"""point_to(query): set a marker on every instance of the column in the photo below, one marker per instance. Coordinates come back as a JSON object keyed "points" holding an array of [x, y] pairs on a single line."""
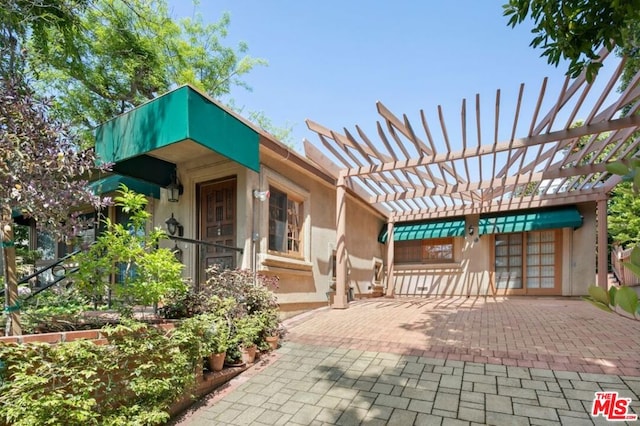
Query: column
{"points": [[603, 279], [391, 288], [340, 299]]}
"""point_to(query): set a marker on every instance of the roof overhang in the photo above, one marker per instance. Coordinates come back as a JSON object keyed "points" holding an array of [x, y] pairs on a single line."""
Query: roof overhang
{"points": [[146, 142]]}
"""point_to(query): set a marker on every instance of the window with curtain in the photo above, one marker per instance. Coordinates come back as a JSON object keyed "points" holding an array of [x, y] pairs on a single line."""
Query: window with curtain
{"points": [[433, 250], [285, 222]]}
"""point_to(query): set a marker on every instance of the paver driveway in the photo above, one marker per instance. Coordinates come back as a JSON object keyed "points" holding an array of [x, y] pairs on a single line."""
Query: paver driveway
{"points": [[529, 361]]}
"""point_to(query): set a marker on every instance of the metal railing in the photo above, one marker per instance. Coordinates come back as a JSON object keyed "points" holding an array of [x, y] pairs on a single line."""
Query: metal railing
{"points": [[58, 270]]}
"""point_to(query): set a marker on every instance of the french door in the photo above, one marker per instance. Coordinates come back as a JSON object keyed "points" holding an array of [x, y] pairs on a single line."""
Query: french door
{"points": [[528, 263]]}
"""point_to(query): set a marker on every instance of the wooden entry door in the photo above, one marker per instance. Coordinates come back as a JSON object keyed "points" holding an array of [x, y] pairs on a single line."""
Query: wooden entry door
{"points": [[218, 224]]}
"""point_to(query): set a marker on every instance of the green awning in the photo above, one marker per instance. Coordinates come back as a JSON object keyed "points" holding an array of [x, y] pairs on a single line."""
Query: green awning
{"points": [[530, 220], [112, 183], [129, 140], [424, 230]]}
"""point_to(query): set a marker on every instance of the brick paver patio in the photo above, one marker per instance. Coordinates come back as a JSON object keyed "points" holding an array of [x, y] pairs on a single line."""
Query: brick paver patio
{"points": [[437, 362]]}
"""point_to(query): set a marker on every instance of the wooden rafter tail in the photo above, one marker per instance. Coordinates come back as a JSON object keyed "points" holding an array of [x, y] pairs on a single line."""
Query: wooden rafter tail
{"points": [[386, 143], [398, 141], [335, 152], [611, 84], [427, 131], [451, 169], [395, 122], [366, 155], [479, 134], [384, 157], [495, 137], [532, 127], [321, 160], [556, 108], [420, 146], [463, 124]]}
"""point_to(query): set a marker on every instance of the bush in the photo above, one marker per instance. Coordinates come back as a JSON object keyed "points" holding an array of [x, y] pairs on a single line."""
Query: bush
{"points": [[133, 380]]}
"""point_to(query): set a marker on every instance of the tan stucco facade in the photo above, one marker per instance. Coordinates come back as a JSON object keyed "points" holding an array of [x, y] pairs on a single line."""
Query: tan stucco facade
{"points": [[471, 272]]}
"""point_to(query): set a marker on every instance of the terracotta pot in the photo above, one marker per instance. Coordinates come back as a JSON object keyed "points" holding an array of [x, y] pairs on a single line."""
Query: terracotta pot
{"points": [[272, 341], [249, 354], [216, 361]]}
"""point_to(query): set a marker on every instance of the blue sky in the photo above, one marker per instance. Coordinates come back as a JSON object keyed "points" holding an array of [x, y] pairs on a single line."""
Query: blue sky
{"points": [[330, 60]]}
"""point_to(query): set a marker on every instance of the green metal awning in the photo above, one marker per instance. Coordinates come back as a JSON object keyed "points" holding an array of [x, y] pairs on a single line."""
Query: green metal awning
{"points": [[112, 183], [409, 231], [129, 141], [530, 220]]}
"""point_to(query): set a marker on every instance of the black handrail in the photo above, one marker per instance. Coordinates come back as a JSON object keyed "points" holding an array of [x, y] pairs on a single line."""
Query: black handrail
{"points": [[53, 265], [52, 283], [206, 243]]}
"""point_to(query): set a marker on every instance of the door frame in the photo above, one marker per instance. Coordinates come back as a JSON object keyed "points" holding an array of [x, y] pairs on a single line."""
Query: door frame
{"points": [[198, 221]]}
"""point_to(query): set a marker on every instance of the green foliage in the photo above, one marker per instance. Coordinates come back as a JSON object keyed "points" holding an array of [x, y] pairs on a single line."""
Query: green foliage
{"points": [[576, 29], [623, 297], [130, 51], [147, 273], [55, 310], [133, 380]]}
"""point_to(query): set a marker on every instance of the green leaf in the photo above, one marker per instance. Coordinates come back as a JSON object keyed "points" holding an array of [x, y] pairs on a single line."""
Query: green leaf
{"points": [[627, 299], [598, 305], [599, 294], [632, 267], [617, 168], [635, 256], [612, 295]]}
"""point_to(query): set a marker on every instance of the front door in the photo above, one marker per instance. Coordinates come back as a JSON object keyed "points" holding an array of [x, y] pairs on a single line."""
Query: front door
{"points": [[217, 224]]}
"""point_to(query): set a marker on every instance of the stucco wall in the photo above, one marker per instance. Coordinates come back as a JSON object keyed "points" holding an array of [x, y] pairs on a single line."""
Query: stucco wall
{"points": [[583, 253], [308, 281], [471, 273]]}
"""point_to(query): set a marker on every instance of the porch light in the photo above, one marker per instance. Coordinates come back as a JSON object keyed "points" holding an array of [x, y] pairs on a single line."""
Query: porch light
{"points": [[174, 226], [471, 229], [175, 188], [260, 195]]}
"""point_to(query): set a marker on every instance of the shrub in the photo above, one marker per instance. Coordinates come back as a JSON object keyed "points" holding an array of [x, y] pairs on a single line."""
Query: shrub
{"points": [[133, 380]]}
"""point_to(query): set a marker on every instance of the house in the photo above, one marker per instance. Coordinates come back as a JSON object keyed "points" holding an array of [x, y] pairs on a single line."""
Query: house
{"points": [[417, 210], [238, 198]]}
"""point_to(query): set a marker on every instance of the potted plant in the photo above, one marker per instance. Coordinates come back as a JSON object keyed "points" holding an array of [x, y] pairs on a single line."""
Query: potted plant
{"points": [[248, 330], [271, 328], [217, 343]]}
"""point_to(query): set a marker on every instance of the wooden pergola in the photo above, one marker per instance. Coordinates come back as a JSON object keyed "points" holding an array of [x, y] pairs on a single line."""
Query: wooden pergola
{"points": [[418, 171]]}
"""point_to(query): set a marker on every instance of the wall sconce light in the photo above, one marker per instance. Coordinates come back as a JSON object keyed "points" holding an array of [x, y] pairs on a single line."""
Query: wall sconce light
{"points": [[174, 226], [471, 229], [175, 188], [260, 195]]}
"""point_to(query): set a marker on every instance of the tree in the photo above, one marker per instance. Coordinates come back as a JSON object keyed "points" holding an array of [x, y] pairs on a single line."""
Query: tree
{"points": [[576, 29], [624, 215], [130, 51], [42, 174]]}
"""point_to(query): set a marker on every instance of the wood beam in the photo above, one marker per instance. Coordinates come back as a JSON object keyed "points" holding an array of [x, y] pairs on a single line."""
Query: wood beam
{"points": [[621, 123]]}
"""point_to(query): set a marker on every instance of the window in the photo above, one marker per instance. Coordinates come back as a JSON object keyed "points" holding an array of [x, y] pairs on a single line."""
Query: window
{"points": [[285, 222], [434, 250], [526, 261]]}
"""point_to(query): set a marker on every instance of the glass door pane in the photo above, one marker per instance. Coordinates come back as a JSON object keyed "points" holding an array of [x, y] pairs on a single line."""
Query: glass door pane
{"points": [[508, 261], [541, 259]]}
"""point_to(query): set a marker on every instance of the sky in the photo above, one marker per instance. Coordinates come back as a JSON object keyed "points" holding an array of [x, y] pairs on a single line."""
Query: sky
{"points": [[330, 61]]}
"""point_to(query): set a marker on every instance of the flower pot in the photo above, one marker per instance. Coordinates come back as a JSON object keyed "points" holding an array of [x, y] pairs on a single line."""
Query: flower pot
{"points": [[272, 341], [216, 361], [249, 354]]}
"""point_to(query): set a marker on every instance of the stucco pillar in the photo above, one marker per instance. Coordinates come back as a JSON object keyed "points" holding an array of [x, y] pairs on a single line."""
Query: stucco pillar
{"points": [[391, 288], [602, 244], [340, 298]]}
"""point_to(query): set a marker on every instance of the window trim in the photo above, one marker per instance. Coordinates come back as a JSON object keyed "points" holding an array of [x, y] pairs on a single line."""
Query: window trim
{"points": [[293, 191], [455, 256], [525, 290]]}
